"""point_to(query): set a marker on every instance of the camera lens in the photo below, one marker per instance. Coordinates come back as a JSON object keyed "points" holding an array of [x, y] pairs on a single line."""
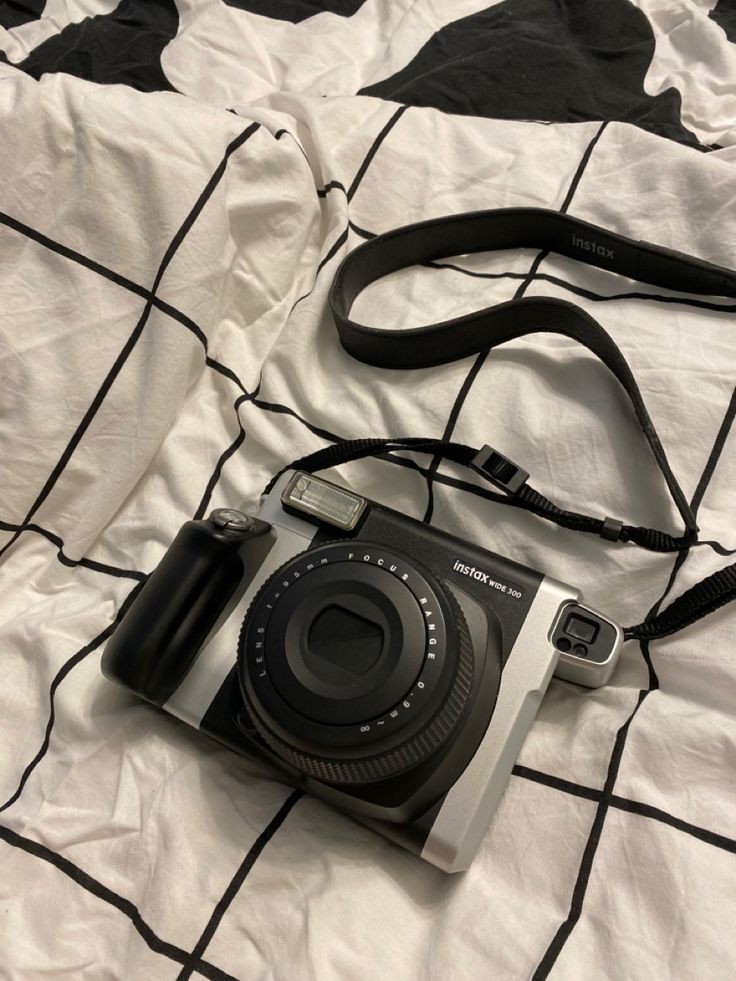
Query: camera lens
{"points": [[342, 642], [354, 663]]}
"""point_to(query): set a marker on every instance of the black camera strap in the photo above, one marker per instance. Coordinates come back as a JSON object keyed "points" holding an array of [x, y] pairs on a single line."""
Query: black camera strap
{"points": [[450, 340], [511, 228]]}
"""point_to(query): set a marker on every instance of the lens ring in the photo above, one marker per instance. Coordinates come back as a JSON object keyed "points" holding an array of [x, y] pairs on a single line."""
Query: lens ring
{"points": [[430, 698], [284, 639]]}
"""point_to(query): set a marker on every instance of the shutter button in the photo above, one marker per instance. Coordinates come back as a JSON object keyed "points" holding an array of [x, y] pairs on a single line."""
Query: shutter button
{"points": [[231, 520]]}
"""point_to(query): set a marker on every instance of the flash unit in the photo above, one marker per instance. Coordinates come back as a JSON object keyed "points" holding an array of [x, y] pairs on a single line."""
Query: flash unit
{"points": [[326, 501]]}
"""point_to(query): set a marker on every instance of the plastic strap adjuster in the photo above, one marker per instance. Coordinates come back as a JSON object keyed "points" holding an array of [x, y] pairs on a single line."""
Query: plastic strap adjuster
{"points": [[499, 470], [611, 529]]}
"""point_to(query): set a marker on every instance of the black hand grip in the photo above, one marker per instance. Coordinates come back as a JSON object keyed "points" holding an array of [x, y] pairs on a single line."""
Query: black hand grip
{"points": [[186, 598]]}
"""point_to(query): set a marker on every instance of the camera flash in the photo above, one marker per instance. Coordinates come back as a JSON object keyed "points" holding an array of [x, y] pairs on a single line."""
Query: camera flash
{"points": [[326, 501]]}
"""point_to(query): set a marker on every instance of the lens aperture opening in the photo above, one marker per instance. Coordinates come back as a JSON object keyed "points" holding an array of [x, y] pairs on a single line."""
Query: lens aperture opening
{"points": [[341, 644]]}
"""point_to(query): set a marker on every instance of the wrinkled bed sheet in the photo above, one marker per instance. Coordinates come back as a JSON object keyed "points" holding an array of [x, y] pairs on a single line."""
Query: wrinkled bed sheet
{"points": [[165, 258]]}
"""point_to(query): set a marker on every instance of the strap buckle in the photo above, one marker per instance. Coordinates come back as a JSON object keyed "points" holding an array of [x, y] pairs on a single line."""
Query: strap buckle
{"points": [[499, 470]]}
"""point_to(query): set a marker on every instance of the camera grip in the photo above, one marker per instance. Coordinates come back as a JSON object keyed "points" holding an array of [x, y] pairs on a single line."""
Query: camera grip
{"points": [[186, 598]]}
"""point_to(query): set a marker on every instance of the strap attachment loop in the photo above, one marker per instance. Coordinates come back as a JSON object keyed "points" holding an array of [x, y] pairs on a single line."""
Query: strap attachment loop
{"points": [[498, 470]]}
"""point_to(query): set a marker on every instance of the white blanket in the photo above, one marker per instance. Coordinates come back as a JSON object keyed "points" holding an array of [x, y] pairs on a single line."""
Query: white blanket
{"points": [[166, 346]]}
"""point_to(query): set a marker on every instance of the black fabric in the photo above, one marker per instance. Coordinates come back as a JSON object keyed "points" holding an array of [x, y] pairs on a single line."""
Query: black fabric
{"points": [[13, 13], [567, 61], [724, 14], [296, 11], [122, 47]]}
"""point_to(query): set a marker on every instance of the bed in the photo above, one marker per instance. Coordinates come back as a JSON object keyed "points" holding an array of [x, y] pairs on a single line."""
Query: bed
{"points": [[179, 184]]}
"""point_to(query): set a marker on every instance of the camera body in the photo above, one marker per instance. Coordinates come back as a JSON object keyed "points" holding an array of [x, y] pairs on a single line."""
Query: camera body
{"points": [[384, 666]]}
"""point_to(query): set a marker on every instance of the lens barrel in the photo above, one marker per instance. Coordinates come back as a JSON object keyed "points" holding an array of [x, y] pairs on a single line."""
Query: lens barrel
{"points": [[354, 662]]}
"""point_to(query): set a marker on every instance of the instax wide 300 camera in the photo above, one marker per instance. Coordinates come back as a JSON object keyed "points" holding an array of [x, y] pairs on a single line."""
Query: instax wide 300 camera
{"points": [[388, 668]]}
